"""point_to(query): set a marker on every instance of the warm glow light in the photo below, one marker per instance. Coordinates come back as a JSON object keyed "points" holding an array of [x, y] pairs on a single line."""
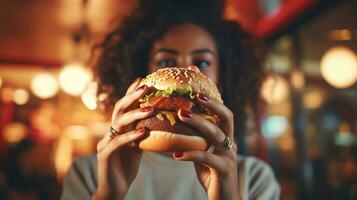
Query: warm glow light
{"points": [[340, 34], [81, 139], [14, 132], [313, 99], [73, 79], [297, 79], [44, 86], [231, 13], [7, 94], [66, 147], [77, 132], [339, 67], [286, 142], [0, 82], [98, 128], [21, 96], [63, 155], [275, 89], [89, 97]]}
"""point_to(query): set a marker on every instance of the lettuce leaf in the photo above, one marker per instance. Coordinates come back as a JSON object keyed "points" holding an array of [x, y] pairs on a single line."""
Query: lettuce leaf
{"points": [[172, 91]]}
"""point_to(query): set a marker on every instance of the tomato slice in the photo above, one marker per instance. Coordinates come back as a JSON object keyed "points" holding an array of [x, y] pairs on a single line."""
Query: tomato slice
{"points": [[171, 103], [184, 103]]}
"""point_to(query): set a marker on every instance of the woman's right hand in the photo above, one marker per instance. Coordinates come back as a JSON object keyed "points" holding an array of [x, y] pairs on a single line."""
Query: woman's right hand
{"points": [[118, 162]]}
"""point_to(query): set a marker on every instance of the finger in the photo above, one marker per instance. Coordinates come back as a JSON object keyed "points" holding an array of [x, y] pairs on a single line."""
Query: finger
{"points": [[120, 141], [225, 115], [134, 85], [124, 120], [206, 158], [209, 130], [131, 116], [104, 141], [127, 100], [193, 68]]}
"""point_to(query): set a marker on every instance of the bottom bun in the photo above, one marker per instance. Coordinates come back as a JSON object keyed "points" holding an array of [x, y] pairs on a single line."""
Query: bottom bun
{"points": [[163, 141]]}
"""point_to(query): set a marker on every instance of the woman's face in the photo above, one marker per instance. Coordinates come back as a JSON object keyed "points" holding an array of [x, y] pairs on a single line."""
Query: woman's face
{"points": [[185, 45]]}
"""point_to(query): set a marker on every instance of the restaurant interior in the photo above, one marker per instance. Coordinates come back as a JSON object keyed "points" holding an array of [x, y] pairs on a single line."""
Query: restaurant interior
{"points": [[50, 113]]}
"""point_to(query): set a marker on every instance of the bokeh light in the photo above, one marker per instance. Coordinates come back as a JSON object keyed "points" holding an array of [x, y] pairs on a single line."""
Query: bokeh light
{"points": [[341, 34], [274, 126], [74, 139], [344, 137], [297, 79], [286, 142], [0, 81], [14, 132], [7, 94], [313, 99], [21, 96], [89, 97], [74, 78], [275, 89], [44, 86], [77, 132], [339, 67]]}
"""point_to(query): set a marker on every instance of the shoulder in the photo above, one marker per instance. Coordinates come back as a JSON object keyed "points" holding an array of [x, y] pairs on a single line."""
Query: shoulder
{"points": [[255, 166], [257, 179], [81, 179]]}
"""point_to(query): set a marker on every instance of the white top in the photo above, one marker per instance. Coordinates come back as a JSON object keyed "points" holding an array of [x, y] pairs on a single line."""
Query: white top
{"points": [[161, 177]]}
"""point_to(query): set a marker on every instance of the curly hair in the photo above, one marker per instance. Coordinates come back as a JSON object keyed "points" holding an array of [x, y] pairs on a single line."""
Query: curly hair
{"points": [[125, 51]]}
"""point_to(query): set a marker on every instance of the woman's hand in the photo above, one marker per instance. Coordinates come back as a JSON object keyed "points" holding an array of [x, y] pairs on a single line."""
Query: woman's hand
{"points": [[217, 169], [118, 162]]}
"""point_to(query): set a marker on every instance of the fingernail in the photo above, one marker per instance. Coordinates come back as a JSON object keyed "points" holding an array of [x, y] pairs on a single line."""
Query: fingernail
{"points": [[186, 114], [141, 87], [146, 109], [178, 154], [202, 97], [194, 68], [141, 130], [138, 79]]}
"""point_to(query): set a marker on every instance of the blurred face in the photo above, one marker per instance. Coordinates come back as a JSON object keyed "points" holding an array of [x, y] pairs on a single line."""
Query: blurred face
{"points": [[186, 45]]}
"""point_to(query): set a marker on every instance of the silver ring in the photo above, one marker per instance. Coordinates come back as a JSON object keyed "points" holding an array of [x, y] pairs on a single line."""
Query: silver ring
{"points": [[225, 145], [113, 132]]}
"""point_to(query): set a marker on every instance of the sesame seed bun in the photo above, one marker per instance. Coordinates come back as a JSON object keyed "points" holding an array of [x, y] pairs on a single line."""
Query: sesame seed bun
{"points": [[164, 141], [182, 78]]}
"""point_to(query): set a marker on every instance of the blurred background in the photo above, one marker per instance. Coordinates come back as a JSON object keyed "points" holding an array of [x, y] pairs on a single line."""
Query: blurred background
{"points": [[307, 126]]}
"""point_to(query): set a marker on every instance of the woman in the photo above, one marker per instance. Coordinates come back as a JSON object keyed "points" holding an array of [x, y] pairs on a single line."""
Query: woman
{"points": [[164, 34]]}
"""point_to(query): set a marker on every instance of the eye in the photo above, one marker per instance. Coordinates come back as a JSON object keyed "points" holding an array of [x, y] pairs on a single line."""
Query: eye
{"points": [[166, 63], [202, 63]]}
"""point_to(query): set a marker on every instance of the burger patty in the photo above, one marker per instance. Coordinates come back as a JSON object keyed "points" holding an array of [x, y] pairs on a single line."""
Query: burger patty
{"points": [[179, 127]]}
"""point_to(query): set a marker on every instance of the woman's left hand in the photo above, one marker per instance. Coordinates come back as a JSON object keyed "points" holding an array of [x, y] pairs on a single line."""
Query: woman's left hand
{"points": [[216, 170]]}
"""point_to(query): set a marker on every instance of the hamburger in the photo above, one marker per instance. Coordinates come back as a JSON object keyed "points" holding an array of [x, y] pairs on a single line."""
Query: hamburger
{"points": [[172, 89]]}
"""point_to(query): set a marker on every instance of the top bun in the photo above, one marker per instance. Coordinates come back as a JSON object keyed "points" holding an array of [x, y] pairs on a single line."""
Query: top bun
{"points": [[182, 78]]}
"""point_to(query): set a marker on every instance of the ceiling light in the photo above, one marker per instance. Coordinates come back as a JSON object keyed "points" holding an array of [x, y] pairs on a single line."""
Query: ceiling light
{"points": [[44, 86], [74, 78], [339, 67]]}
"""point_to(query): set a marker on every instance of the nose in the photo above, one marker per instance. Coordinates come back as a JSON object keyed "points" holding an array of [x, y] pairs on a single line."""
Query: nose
{"points": [[184, 61]]}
